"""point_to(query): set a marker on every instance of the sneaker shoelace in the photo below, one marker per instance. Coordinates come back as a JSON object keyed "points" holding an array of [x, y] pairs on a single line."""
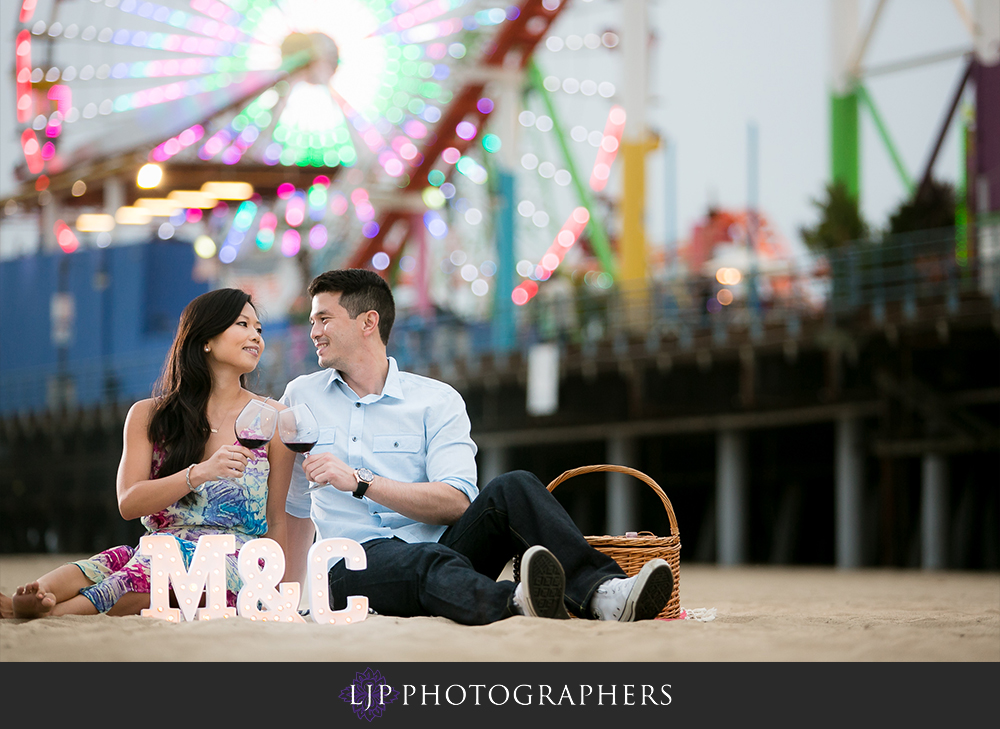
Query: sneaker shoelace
{"points": [[518, 599], [612, 589]]}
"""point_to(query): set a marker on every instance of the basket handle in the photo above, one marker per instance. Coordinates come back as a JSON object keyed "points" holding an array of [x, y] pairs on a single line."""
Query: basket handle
{"points": [[566, 475]]}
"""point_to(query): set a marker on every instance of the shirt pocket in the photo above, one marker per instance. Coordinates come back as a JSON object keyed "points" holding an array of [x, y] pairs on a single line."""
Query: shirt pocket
{"points": [[397, 444], [326, 441]]}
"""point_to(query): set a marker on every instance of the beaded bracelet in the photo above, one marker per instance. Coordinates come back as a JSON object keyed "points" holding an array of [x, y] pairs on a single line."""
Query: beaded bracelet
{"points": [[187, 477]]}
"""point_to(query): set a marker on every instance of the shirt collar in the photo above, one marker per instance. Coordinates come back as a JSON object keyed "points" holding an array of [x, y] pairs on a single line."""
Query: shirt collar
{"points": [[393, 385]]}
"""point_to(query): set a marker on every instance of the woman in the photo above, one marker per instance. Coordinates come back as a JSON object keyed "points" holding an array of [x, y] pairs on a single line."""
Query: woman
{"points": [[182, 472]]}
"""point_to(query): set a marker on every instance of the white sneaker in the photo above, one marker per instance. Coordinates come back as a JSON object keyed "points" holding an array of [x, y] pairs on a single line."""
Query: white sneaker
{"points": [[542, 588], [641, 597]]}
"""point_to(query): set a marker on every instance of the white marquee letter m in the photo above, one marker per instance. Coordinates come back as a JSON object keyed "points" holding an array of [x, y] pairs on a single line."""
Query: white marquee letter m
{"points": [[208, 566]]}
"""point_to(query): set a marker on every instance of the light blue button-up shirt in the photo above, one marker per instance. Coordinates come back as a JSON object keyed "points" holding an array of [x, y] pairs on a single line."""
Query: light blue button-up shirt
{"points": [[416, 430]]}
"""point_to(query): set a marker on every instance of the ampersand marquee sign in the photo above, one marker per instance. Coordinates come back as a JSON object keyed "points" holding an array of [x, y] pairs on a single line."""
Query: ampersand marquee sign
{"points": [[261, 564]]}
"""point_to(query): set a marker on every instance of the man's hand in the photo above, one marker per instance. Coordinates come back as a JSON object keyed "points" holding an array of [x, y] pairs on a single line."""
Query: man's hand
{"points": [[324, 468], [431, 503]]}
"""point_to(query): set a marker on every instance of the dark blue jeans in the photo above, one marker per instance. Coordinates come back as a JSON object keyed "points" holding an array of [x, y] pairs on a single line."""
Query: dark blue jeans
{"points": [[456, 577]]}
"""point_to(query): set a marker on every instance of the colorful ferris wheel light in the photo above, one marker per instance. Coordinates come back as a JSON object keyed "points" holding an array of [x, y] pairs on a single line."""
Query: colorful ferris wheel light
{"points": [[245, 215], [564, 240], [22, 71], [63, 97], [204, 246], [388, 82], [433, 198], [466, 130], [295, 210], [27, 10], [291, 242], [357, 71], [265, 231], [32, 152], [472, 169], [169, 148], [338, 204], [65, 237], [228, 253], [317, 236], [613, 130]]}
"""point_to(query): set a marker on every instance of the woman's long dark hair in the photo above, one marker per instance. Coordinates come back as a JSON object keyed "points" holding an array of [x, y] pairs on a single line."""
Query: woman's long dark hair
{"points": [[179, 422]]}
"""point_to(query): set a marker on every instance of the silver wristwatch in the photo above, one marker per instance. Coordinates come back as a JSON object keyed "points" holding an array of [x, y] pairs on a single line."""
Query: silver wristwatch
{"points": [[365, 478]]}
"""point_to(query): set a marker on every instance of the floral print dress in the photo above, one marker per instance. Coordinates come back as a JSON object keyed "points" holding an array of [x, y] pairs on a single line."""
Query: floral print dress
{"points": [[237, 507]]}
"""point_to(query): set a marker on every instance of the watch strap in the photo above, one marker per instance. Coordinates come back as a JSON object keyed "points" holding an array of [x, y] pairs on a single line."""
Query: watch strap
{"points": [[359, 492]]}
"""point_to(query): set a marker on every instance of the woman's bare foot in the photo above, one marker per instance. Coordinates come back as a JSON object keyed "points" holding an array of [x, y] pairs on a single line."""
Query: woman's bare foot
{"points": [[6, 607], [30, 601]]}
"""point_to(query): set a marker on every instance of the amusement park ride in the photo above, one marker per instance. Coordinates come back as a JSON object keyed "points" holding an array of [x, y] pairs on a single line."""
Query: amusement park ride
{"points": [[417, 138], [355, 133]]}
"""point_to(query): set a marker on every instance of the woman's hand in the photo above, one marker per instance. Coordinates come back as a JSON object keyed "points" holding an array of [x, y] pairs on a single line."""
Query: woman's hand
{"points": [[229, 462]]}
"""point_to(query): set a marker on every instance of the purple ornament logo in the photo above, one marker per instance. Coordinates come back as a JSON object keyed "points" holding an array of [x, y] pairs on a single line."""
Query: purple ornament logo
{"points": [[369, 694]]}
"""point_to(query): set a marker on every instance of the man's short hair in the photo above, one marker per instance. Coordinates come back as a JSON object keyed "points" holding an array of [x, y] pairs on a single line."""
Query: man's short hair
{"points": [[360, 290]]}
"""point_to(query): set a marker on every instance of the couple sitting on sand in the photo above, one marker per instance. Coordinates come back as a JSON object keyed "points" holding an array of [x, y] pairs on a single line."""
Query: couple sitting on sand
{"points": [[394, 469]]}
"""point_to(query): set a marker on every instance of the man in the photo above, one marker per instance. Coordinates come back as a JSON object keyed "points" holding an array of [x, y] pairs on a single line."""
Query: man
{"points": [[394, 469]]}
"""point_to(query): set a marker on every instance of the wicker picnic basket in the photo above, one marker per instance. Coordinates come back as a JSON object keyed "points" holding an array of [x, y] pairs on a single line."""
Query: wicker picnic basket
{"points": [[631, 553]]}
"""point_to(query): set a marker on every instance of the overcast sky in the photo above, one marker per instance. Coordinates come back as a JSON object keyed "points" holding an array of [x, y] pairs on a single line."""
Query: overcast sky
{"points": [[722, 64]]}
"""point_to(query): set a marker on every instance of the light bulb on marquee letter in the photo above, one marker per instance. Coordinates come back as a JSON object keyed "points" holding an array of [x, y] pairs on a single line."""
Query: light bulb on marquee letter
{"points": [[281, 602], [166, 567], [320, 556]]}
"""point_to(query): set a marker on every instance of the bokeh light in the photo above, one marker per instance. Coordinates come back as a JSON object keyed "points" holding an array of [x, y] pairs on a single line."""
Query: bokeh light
{"points": [[204, 246], [150, 175], [728, 276], [291, 243]]}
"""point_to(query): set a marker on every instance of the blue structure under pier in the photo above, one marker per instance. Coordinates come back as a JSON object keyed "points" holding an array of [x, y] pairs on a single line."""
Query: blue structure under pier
{"points": [[92, 327]]}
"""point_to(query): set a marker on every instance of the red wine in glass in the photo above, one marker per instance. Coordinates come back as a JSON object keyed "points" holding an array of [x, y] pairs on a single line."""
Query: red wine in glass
{"points": [[300, 447], [298, 428], [255, 424]]}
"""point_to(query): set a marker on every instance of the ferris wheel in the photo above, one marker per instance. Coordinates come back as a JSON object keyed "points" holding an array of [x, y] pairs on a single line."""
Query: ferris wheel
{"points": [[301, 82], [354, 106], [561, 151]]}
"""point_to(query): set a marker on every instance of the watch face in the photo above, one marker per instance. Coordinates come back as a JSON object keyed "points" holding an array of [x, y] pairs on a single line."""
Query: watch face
{"points": [[365, 475]]}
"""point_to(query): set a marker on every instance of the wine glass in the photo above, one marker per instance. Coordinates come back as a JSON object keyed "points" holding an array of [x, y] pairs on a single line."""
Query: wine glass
{"points": [[298, 428], [255, 424]]}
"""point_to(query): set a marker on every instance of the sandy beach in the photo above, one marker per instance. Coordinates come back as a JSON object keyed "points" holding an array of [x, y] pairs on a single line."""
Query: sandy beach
{"points": [[761, 614]]}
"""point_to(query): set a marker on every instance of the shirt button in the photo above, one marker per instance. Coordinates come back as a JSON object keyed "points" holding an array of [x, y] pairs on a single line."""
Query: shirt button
{"points": [[357, 404], [354, 438], [395, 445]]}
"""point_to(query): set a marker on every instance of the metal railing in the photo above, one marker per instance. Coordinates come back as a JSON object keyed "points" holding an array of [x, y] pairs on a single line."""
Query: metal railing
{"points": [[864, 278], [89, 382]]}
